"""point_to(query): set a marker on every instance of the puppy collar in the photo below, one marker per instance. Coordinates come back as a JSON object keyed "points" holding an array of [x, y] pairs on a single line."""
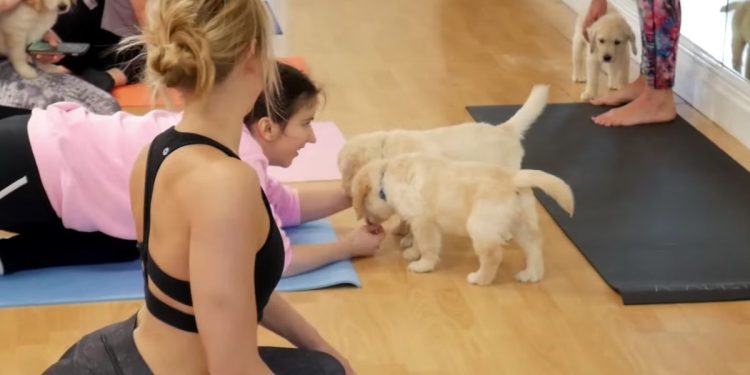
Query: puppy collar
{"points": [[381, 193]]}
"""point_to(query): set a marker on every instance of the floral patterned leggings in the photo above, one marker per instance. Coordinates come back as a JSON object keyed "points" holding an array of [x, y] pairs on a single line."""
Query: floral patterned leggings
{"points": [[660, 32]]}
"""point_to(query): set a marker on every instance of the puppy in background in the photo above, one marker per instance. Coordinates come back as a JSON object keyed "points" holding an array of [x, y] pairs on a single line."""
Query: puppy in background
{"points": [[608, 40], [25, 24], [740, 34], [435, 195]]}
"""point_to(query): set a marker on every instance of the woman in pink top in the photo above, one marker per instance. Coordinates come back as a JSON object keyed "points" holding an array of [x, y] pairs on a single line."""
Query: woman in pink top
{"points": [[64, 181]]}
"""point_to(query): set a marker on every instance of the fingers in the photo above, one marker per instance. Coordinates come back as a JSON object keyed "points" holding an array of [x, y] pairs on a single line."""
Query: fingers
{"points": [[49, 58]]}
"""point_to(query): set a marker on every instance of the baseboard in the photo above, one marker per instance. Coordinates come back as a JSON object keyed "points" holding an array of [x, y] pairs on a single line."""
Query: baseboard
{"points": [[701, 81]]}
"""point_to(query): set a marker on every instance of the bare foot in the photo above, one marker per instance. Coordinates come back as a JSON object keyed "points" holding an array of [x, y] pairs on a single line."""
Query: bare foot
{"points": [[651, 107], [624, 95]]}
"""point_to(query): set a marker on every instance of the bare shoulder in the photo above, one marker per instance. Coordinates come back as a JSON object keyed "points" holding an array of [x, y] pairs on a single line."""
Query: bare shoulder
{"points": [[222, 181]]}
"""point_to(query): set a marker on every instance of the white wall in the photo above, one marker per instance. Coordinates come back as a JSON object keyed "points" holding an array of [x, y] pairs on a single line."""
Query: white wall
{"points": [[701, 80]]}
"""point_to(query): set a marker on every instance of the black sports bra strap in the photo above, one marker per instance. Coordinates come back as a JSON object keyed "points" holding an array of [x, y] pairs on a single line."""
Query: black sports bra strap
{"points": [[158, 152], [161, 147]]}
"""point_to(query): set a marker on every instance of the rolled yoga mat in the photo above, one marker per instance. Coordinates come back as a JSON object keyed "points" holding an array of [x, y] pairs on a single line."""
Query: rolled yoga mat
{"points": [[124, 281], [661, 212]]}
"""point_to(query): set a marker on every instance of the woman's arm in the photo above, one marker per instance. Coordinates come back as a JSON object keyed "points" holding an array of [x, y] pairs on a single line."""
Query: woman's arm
{"points": [[363, 241], [322, 200], [227, 227], [139, 9], [8, 4], [282, 319]]}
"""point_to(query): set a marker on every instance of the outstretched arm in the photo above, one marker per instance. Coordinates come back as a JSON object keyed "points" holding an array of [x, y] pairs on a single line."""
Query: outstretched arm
{"points": [[322, 200]]}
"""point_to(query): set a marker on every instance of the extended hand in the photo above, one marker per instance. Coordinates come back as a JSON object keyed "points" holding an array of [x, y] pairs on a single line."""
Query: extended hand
{"points": [[365, 240]]}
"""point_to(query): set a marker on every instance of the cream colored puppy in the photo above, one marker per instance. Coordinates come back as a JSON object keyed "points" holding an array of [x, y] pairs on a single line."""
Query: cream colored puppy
{"points": [[490, 204], [608, 40], [740, 34], [25, 24], [500, 145]]}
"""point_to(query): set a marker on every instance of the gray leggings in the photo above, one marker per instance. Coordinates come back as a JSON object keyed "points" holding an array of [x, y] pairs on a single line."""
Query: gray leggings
{"points": [[52, 88], [112, 351]]}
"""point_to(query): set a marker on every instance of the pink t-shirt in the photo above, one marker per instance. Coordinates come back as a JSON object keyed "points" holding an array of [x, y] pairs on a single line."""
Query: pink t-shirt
{"points": [[85, 160]]}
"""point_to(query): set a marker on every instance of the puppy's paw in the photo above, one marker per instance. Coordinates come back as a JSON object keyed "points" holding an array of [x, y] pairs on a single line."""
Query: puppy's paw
{"points": [[411, 253], [579, 78], [421, 266], [407, 241], [587, 95], [26, 72], [477, 278], [402, 229], [529, 275]]}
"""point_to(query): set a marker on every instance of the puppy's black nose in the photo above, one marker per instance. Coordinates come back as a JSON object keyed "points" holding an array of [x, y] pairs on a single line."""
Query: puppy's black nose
{"points": [[607, 58]]}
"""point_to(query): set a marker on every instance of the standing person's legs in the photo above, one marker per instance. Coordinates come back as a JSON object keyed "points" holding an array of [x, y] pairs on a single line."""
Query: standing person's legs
{"points": [[660, 20], [660, 31]]}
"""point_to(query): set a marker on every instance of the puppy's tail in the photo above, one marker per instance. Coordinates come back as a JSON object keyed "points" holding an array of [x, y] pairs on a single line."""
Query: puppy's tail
{"points": [[530, 111], [550, 185], [731, 7]]}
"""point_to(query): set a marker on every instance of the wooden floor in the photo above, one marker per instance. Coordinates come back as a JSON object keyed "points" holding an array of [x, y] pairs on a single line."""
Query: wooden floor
{"points": [[394, 63]]}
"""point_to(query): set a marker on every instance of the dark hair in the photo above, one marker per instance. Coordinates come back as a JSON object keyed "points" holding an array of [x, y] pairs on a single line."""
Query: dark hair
{"points": [[296, 90]]}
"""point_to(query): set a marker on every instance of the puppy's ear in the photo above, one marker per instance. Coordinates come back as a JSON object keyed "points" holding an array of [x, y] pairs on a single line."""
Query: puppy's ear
{"points": [[631, 39], [37, 5], [592, 39], [361, 188]]}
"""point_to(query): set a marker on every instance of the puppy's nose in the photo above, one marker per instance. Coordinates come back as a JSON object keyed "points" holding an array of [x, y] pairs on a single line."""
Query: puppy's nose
{"points": [[607, 58], [62, 8]]}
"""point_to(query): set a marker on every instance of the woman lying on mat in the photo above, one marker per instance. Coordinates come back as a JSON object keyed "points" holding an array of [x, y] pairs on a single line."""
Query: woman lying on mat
{"points": [[64, 181]]}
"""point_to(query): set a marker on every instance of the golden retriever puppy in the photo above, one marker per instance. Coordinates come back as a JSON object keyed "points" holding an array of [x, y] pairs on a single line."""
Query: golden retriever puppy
{"points": [[500, 145], [740, 34], [435, 195], [608, 40], [25, 24]]}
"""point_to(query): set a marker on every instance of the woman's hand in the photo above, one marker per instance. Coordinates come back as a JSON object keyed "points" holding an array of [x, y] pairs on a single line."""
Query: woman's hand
{"points": [[365, 240], [50, 58], [597, 8], [8, 4]]}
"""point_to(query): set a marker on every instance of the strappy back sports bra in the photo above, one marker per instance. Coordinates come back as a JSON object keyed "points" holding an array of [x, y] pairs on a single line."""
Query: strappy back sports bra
{"points": [[269, 260]]}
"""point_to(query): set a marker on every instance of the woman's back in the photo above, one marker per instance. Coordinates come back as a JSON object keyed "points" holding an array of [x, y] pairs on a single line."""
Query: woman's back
{"points": [[192, 189]]}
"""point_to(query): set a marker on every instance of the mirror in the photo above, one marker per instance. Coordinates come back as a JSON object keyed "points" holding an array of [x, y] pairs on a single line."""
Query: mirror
{"points": [[721, 28]]}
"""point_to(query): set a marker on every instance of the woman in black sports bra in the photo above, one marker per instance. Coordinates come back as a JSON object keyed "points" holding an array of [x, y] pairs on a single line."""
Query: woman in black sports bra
{"points": [[212, 254]]}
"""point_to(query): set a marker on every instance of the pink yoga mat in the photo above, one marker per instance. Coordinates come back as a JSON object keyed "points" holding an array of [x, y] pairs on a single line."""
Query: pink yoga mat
{"points": [[317, 161]]}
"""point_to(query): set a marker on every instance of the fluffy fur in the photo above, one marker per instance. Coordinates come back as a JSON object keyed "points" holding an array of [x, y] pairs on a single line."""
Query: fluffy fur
{"points": [[609, 37], [25, 24], [500, 145], [435, 195], [740, 34]]}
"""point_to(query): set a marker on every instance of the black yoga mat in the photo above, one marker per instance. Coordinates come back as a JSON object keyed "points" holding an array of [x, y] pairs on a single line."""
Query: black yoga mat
{"points": [[661, 212]]}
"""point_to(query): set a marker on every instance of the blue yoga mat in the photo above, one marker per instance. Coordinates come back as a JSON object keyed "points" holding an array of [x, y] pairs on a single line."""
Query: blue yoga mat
{"points": [[124, 281]]}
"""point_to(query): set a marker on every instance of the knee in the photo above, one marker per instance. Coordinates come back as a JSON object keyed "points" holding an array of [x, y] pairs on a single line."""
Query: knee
{"points": [[328, 365]]}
